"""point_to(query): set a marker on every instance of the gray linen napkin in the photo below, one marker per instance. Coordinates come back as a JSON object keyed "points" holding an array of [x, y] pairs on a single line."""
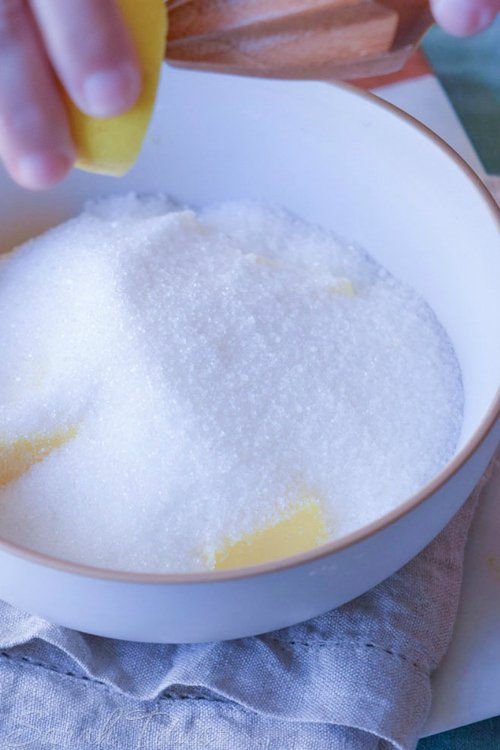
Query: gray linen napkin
{"points": [[356, 677]]}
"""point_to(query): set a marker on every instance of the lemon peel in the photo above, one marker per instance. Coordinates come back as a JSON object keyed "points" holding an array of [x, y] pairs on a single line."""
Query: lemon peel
{"points": [[111, 146]]}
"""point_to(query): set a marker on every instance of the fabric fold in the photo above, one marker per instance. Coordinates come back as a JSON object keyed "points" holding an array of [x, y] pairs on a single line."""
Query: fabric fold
{"points": [[357, 677]]}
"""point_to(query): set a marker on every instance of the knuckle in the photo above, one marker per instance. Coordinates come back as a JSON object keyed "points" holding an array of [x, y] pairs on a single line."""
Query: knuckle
{"points": [[22, 124], [104, 31], [13, 19], [27, 119]]}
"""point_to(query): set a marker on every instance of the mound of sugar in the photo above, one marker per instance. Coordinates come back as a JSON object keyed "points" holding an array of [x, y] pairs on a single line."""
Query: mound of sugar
{"points": [[201, 372]]}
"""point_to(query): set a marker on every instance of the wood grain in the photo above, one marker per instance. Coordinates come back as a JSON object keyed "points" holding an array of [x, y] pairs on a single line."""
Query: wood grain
{"points": [[312, 39], [202, 17], [304, 39], [416, 66]]}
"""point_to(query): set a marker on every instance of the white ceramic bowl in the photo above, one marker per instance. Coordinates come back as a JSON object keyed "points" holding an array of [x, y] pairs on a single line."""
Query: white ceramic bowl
{"points": [[343, 159]]}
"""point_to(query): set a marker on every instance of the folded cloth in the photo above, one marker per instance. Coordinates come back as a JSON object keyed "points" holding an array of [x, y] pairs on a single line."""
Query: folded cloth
{"points": [[357, 677]]}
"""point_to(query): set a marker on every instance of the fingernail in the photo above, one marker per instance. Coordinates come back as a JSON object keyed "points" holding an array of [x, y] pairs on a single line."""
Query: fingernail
{"points": [[110, 92], [43, 170], [462, 17]]}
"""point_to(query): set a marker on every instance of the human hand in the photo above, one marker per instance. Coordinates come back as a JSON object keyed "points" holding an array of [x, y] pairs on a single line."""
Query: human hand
{"points": [[85, 45], [465, 17]]}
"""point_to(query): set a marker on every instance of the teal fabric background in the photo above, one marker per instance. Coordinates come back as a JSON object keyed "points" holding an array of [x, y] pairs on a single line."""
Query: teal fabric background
{"points": [[485, 735], [469, 70]]}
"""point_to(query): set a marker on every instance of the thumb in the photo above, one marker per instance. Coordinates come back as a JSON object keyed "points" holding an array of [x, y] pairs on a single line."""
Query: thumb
{"points": [[464, 17]]}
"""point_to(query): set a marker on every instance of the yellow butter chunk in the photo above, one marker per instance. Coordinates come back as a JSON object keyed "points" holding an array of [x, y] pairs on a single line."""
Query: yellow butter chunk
{"points": [[263, 261], [111, 146], [341, 286], [19, 456], [301, 529]]}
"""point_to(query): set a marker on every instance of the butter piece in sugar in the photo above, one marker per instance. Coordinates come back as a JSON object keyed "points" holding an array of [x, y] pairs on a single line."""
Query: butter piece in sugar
{"points": [[19, 455], [302, 528]]}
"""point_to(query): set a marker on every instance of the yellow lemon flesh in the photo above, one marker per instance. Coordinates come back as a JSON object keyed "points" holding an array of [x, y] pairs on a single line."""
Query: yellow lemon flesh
{"points": [[21, 454], [302, 528], [111, 146]]}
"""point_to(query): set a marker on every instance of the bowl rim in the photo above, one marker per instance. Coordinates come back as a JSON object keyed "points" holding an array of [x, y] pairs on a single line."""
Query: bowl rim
{"points": [[359, 535]]}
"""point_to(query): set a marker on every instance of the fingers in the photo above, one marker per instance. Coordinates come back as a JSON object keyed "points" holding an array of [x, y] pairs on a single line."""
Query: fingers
{"points": [[465, 17], [87, 44], [92, 53], [35, 141]]}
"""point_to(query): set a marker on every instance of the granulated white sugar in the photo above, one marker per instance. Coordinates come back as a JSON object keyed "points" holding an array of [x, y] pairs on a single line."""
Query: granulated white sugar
{"points": [[189, 376]]}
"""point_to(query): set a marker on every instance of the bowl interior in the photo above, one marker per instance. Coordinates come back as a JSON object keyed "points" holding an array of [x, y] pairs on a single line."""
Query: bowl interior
{"points": [[334, 157]]}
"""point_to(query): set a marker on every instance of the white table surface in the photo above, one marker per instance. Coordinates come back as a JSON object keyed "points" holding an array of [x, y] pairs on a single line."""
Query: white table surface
{"points": [[466, 687]]}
